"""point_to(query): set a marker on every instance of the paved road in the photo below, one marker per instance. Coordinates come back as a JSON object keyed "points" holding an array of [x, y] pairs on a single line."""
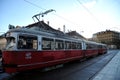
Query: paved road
{"points": [[111, 71], [85, 70]]}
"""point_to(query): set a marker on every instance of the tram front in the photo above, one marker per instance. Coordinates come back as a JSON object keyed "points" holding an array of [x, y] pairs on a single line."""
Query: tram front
{"points": [[8, 54], [20, 51]]}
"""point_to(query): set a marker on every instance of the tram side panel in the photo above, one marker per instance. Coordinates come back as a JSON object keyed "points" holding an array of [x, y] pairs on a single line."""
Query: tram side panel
{"points": [[102, 49], [9, 60], [22, 60], [90, 49], [16, 61], [25, 60]]}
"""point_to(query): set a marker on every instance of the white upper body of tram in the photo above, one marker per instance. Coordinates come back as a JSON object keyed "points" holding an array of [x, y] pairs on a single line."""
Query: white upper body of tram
{"points": [[27, 39]]}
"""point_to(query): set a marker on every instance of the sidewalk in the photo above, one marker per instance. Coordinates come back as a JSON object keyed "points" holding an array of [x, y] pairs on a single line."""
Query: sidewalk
{"points": [[111, 71]]}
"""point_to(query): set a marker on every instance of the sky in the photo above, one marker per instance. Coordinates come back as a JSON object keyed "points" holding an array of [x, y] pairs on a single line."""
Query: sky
{"points": [[84, 16]]}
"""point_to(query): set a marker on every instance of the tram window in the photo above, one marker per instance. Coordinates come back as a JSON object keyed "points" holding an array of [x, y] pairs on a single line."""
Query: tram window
{"points": [[91, 46], [100, 46], [10, 43], [67, 45], [104, 47], [47, 44], [34, 44], [59, 44], [74, 46], [79, 46], [27, 42]]}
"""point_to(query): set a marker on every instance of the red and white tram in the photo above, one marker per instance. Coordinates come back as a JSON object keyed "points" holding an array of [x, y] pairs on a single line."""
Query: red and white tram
{"points": [[33, 48]]}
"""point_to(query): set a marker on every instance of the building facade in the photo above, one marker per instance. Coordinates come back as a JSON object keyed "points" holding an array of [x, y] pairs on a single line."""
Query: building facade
{"points": [[111, 38], [2, 43]]}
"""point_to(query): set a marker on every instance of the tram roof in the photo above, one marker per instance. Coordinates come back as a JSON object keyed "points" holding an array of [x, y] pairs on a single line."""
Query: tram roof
{"points": [[41, 25], [41, 28]]}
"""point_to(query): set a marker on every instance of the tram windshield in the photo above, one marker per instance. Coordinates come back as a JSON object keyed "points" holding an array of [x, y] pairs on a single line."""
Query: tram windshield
{"points": [[10, 43]]}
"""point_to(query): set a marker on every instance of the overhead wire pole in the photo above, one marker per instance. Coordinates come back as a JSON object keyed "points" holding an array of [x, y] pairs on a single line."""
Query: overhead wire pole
{"points": [[88, 11], [42, 14]]}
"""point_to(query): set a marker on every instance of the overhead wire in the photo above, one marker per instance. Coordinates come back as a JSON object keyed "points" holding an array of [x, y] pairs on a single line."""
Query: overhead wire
{"points": [[34, 4], [93, 14], [52, 13], [88, 11], [115, 28]]}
